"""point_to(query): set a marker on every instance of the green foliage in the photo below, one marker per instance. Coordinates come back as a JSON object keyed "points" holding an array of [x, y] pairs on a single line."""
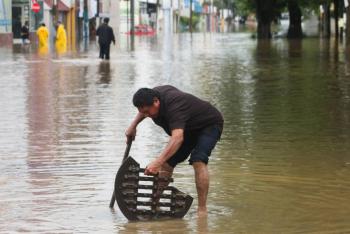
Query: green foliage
{"points": [[245, 7], [185, 21]]}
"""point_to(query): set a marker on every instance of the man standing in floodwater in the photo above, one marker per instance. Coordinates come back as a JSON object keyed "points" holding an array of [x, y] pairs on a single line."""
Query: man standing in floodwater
{"points": [[61, 38], [43, 38], [194, 127], [25, 33], [105, 37]]}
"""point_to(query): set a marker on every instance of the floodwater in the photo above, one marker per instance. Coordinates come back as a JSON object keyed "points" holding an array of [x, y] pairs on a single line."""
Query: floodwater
{"points": [[282, 166]]}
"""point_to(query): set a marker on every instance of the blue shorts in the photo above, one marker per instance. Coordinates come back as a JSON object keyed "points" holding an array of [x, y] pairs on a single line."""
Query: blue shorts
{"points": [[199, 145]]}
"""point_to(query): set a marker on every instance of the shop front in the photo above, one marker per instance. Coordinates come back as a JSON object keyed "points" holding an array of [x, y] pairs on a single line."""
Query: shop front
{"points": [[5, 23]]}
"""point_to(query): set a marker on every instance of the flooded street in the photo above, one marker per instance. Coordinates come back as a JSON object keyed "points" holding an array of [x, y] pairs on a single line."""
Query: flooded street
{"points": [[282, 165]]}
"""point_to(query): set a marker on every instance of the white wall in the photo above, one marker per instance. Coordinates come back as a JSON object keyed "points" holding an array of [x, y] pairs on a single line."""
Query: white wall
{"points": [[115, 16]]}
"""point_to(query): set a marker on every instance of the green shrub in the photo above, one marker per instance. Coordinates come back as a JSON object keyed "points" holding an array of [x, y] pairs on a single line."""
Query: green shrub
{"points": [[185, 21]]}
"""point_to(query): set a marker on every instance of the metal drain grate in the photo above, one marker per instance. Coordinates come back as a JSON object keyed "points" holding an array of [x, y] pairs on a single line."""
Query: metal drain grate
{"points": [[135, 194]]}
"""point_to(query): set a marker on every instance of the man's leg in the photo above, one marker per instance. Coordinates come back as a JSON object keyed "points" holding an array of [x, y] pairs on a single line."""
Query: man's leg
{"points": [[107, 50], [167, 168], [104, 51], [199, 159], [101, 51], [202, 185]]}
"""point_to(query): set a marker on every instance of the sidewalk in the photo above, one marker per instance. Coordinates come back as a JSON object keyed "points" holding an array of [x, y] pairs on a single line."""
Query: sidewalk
{"points": [[19, 41]]}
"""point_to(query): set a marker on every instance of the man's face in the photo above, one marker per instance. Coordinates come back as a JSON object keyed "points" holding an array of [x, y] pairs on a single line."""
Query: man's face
{"points": [[151, 111]]}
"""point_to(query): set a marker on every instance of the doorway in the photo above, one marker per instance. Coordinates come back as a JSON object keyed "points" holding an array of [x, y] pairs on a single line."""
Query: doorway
{"points": [[16, 21]]}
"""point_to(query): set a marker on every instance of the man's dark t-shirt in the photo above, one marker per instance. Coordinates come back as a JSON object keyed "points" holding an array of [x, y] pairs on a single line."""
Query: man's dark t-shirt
{"points": [[105, 34], [180, 110]]}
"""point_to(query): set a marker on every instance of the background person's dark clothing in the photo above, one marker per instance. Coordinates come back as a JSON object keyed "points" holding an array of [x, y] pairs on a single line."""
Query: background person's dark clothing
{"points": [[105, 34], [180, 110], [25, 32], [104, 51], [105, 37]]}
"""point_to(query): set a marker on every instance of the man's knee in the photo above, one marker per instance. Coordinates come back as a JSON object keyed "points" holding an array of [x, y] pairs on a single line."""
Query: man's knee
{"points": [[199, 165], [201, 175], [198, 156]]}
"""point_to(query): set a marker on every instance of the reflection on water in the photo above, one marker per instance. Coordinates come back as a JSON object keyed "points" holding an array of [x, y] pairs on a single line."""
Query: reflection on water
{"points": [[282, 165], [105, 72]]}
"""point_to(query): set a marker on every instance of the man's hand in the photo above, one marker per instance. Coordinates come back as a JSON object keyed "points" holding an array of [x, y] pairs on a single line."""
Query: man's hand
{"points": [[130, 134], [153, 168], [173, 145]]}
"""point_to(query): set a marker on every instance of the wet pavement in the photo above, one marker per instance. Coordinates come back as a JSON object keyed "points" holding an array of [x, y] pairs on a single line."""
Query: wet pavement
{"points": [[282, 166]]}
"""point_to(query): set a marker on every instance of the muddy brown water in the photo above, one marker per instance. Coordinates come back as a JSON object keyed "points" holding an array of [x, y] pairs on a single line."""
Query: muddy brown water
{"points": [[282, 166]]}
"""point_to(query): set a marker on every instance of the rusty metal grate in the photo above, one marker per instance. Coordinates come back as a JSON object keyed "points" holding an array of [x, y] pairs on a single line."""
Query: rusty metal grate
{"points": [[136, 196]]}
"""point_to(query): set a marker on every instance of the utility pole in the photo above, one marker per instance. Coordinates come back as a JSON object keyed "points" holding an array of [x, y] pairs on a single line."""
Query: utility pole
{"points": [[336, 18], [85, 25], [178, 17], [211, 14], [127, 16], [157, 6], [132, 23], [347, 28], [190, 16], [98, 21], [85, 19], [55, 11], [98, 8]]}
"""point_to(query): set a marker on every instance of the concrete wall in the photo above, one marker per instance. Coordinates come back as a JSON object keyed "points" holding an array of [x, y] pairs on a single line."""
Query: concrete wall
{"points": [[110, 9], [114, 13], [5, 39]]}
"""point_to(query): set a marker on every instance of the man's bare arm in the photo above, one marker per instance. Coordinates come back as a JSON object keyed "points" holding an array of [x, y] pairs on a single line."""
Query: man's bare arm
{"points": [[176, 140], [130, 133]]}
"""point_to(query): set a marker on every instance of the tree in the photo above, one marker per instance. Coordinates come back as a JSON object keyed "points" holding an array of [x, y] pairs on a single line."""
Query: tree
{"points": [[294, 30], [266, 12], [244, 7], [264, 17], [347, 33], [269, 10], [326, 19], [336, 17], [295, 9]]}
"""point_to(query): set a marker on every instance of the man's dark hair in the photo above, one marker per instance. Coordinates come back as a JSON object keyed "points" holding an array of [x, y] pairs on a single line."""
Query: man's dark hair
{"points": [[106, 20], [43, 24], [145, 97]]}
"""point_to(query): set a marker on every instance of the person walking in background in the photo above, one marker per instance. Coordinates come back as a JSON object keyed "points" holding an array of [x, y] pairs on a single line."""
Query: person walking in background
{"points": [[43, 36], [61, 39], [105, 37], [25, 33]]}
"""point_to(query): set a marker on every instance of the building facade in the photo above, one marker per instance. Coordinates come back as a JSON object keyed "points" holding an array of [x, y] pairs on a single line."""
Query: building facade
{"points": [[5, 22], [14, 13]]}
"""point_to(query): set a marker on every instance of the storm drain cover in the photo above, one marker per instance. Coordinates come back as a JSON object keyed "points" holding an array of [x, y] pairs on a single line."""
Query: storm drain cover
{"points": [[136, 195]]}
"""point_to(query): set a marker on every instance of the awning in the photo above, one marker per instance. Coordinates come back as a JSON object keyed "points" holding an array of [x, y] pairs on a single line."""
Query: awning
{"points": [[49, 3], [61, 6]]}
